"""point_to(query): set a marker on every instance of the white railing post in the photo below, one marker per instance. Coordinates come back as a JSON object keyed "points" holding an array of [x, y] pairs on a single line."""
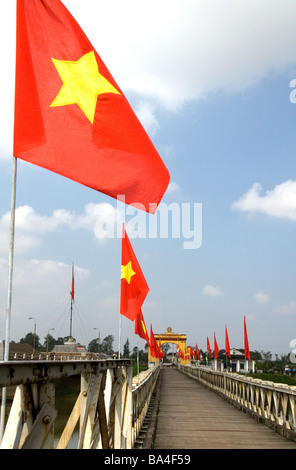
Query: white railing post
{"points": [[128, 410]]}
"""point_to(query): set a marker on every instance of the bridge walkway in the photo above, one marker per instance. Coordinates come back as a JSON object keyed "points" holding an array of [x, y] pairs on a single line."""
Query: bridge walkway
{"points": [[192, 417]]}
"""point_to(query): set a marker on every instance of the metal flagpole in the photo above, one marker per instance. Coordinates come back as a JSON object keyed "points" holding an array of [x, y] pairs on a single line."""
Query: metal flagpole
{"points": [[138, 357], [120, 315], [9, 293], [119, 342], [71, 307]]}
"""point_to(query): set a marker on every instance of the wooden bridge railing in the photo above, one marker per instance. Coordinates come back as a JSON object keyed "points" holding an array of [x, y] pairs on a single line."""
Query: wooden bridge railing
{"points": [[108, 411], [273, 404]]}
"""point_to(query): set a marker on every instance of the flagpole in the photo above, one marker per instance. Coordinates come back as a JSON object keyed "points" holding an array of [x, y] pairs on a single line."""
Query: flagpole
{"points": [[138, 365], [9, 290], [72, 296], [119, 342]]}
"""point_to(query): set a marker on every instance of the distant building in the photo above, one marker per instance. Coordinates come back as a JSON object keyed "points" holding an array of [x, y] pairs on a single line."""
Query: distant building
{"points": [[236, 363], [70, 348], [16, 350]]}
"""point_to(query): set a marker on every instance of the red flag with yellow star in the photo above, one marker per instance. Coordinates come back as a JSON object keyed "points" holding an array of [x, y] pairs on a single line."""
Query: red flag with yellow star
{"points": [[140, 327], [134, 287], [72, 118]]}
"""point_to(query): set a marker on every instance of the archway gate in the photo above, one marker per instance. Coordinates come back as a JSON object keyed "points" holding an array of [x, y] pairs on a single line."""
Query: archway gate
{"points": [[169, 337]]}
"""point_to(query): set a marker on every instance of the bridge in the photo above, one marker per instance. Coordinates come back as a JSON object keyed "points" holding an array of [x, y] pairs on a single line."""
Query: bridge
{"points": [[162, 408]]}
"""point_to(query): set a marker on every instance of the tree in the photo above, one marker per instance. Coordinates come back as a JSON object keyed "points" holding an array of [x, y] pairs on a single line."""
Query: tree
{"points": [[266, 355], [107, 344], [59, 341], [143, 355], [49, 343], [166, 348], [126, 349], [93, 345], [32, 340]]}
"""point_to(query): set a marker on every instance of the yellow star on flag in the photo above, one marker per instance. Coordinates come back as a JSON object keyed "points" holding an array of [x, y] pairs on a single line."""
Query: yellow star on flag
{"points": [[143, 326], [82, 83], [127, 272]]}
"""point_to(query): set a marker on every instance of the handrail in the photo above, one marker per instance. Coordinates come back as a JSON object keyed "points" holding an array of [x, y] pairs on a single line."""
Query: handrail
{"points": [[144, 385], [273, 404], [106, 410]]}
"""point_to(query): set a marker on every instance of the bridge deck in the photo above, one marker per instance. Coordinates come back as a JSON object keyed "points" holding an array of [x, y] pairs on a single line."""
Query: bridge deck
{"points": [[193, 417]]}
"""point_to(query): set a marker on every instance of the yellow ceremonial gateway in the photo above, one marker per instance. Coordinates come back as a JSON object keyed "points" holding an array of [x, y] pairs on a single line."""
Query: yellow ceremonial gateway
{"points": [[169, 337]]}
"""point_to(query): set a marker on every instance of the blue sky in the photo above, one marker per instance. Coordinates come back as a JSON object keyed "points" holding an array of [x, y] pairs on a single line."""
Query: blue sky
{"points": [[210, 82]]}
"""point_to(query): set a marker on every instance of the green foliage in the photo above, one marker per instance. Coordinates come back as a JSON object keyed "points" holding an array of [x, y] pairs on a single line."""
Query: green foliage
{"points": [[107, 345], [94, 346], [142, 367], [276, 378], [126, 349], [32, 340]]}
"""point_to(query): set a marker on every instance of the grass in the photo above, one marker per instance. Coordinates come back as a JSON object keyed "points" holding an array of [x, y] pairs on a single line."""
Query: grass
{"points": [[141, 368], [276, 378]]}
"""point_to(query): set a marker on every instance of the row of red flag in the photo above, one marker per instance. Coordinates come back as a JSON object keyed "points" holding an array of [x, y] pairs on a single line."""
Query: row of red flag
{"points": [[190, 352], [134, 290]]}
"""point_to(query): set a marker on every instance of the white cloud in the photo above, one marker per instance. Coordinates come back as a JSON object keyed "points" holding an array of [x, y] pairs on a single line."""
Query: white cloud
{"points": [[172, 187], [146, 114], [279, 202], [212, 291], [178, 51], [30, 226], [171, 51], [39, 287], [94, 214], [287, 309], [261, 298]]}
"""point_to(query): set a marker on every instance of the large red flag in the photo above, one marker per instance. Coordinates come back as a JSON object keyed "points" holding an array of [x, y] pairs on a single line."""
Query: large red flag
{"points": [[247, 350], [134, 287], [209, 347], [227, 347], [216, 349], [71, 117], [140, 327]]}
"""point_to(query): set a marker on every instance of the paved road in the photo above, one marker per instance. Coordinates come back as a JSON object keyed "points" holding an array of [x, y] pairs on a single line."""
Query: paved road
{"points": [[192, 417]]}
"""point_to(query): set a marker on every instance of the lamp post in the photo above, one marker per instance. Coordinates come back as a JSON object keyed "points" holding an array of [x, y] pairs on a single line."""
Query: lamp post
{"points": [[98, 341], [34, 343], [47, 339]]}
